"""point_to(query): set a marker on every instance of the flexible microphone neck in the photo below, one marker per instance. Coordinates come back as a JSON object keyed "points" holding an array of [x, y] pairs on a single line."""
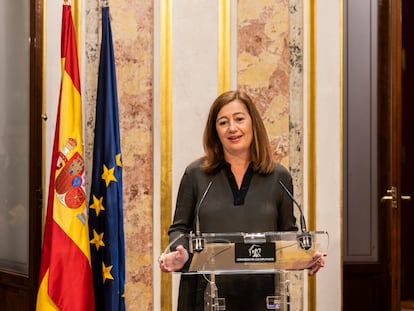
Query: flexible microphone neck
{"points": [[197, 243], [197, 224], [305, 238]]}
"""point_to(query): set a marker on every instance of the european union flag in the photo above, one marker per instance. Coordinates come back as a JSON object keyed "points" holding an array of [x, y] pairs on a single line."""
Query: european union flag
{"points": [[106, 224]]}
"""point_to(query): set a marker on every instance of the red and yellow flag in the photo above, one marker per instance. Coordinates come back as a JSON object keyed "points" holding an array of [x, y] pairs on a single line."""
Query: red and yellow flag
{"points": [[65, 281]]}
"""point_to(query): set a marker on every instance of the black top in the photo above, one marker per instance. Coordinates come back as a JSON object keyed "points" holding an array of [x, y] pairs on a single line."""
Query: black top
{"points": [[259, 205]]}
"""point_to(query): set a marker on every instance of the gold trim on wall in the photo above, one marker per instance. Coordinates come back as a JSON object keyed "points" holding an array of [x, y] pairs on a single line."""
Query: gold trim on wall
{"points": [[224, 46], [165, 141], [311, 176]]}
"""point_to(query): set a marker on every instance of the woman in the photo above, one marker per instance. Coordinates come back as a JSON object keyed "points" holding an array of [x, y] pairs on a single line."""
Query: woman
{"points": [[239, 183]]}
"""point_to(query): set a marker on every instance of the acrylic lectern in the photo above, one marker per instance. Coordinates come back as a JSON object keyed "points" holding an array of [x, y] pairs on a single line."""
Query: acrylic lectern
{"points": [[285, 254]]}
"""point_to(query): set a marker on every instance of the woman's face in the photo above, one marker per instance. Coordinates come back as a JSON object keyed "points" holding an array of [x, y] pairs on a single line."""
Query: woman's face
{"points": [[234, 128]]}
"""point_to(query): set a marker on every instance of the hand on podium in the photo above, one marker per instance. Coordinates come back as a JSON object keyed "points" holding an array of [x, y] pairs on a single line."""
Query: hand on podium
{"points": [[173, 261], [317, 262]]}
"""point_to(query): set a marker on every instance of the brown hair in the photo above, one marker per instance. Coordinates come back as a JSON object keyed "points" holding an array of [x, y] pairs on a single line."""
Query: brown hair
{"points": [[260, 151]]}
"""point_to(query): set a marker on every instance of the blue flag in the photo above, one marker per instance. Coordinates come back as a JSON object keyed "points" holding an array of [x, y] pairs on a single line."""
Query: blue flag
{"points": [[106, 221]]}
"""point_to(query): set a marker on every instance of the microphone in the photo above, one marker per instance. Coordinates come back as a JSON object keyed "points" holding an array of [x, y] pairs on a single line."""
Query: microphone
{"points": [[305, 238], [198, 243]]}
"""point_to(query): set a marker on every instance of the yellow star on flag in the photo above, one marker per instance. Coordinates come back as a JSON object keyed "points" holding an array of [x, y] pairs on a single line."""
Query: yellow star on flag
{"points": [[106, 273], [97, 239], [118, 160], [97, 205], [108, 175]]}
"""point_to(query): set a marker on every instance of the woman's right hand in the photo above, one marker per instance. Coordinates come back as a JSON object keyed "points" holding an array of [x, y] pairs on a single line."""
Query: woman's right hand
{"points": [[173, 261]]}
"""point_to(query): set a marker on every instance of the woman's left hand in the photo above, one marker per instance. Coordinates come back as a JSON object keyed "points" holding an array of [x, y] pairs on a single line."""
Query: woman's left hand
{"points": [[317, 262]]}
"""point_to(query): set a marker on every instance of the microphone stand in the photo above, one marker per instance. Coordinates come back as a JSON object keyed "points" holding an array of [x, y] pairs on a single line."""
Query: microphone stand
{"points": [[305, 238], [197, 242]]}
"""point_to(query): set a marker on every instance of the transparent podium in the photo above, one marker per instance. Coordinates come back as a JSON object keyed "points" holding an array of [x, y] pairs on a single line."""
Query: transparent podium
{"points": [[286, 255]]}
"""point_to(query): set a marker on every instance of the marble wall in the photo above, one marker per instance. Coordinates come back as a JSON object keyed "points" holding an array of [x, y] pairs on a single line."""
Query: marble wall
{"points": [[269, 67]]}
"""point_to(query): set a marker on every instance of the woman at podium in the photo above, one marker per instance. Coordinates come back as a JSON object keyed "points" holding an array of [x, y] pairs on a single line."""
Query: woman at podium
{"points": [[234, 187]]}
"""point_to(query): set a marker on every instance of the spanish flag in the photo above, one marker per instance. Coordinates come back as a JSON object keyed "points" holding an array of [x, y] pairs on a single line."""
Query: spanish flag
{"points": [[65, 281]]}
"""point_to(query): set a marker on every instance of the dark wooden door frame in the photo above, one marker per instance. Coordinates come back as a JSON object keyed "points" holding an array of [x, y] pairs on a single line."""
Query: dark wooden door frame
{"points": [[395, 153], [389, 101]]}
